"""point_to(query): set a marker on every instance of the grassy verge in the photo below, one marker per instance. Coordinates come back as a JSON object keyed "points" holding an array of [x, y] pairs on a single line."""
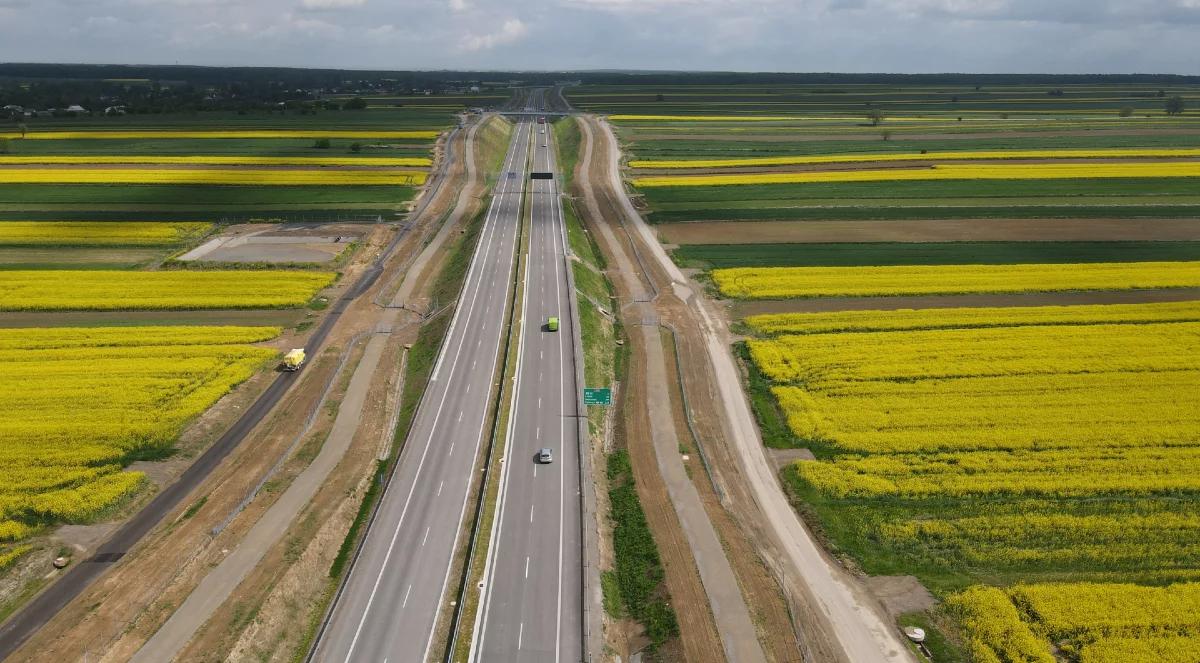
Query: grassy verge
{"points": [[567, 137], [491, 147], [941, 647], [638, 574], [776, 433], [167, 196]]}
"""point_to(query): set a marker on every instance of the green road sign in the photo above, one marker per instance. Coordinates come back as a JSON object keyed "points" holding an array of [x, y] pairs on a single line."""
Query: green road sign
{"points": [[601, 396]]}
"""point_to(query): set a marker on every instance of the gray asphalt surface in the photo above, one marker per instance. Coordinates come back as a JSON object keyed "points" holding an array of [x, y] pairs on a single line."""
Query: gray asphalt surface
{"points": [[401, 578], [531, 608]]}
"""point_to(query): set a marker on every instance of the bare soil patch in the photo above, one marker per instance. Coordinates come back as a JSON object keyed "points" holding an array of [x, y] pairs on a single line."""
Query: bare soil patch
{"points": [[741, 309], [930, 230], [79, 257], [84, 538], [900, 594], [293, 242], [781, 458]]}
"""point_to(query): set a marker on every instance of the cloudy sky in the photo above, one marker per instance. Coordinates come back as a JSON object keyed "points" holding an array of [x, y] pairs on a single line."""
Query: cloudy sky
{"points": [[1053, 36]]}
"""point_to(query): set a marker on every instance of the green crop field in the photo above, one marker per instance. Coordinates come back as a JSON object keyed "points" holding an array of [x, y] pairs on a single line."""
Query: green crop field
{"points": [[174, 135], [713, 256]]}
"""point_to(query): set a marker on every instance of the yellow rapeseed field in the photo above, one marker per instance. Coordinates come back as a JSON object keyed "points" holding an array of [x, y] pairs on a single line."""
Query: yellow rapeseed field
{"points": [[98, 233], [240, 134], [222, 177], [890, 281], [1041, 171], [1089, 622], [46, 290], [964, 155], [1018, 387], [9, 556], [77, 404], [1026, 440], [216, 160], [996, 633]]}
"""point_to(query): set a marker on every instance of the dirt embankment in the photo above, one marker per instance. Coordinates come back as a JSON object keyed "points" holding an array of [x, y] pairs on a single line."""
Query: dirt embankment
{"points": [[930, 230]]}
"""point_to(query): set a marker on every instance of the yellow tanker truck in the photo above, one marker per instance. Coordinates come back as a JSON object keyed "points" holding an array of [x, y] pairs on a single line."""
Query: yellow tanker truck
{"points": [[293, 360]]}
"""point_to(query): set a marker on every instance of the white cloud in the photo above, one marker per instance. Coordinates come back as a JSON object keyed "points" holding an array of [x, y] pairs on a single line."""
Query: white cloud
{"points": [[459, 6], [331, 4], [511, 31]]}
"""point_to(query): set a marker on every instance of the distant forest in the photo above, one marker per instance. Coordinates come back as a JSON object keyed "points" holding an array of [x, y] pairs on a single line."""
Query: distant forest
{"points": [[174, 88]]}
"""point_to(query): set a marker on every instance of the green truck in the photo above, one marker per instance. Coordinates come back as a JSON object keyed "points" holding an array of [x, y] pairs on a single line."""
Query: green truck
{"points": [[552, 324]]}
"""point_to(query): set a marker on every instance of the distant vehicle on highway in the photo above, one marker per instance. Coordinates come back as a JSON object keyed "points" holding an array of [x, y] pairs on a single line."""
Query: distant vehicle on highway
{"points": [[545, 456], [541, 119], [552, 324]]}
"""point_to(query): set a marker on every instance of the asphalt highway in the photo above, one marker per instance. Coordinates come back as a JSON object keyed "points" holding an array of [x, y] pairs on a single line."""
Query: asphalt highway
{"points": [[531, 607], [401, 579]]}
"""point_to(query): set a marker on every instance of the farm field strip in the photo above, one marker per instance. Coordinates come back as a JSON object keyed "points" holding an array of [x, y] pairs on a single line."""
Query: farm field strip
{"points": [[973, 318], [50, 290], [249, 134], [66, 434], [802, 282], [782, 235], [874, 254], [219, 177], [982, 155], [98, 233], [1047, 171], [215, 160]]}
